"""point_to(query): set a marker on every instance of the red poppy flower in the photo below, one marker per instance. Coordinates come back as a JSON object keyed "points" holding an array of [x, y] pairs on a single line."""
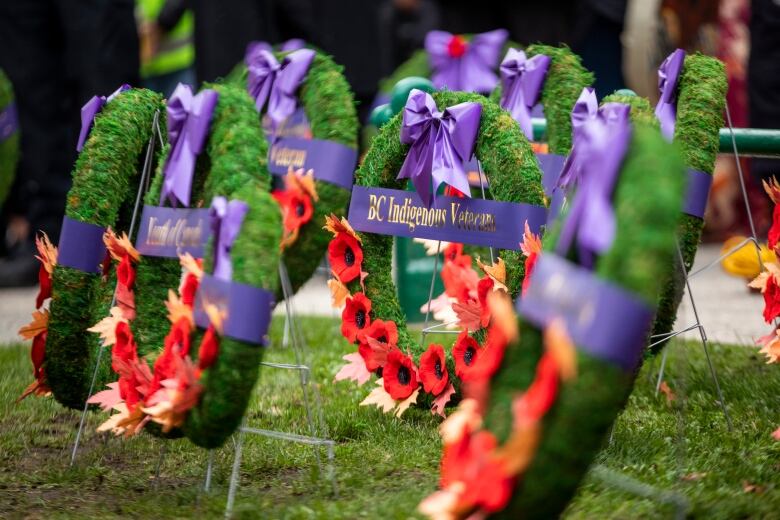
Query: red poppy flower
{"points": [[484, 287], [38, 355], [771, 299], [125, 273], [466, 351], [124, 348], [490, 356], [296, 207], [459, 278], [179, 336], [189, 289], [356, 316], [433, 370], [540, 396], [453, 251], [456, 47], [399, 375], [345, 256], [773, 236], [209, 349], [385, 333], [44, 280], [530, 262]]}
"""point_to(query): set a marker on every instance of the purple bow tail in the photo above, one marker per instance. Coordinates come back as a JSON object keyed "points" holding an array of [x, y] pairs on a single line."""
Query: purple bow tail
{"points": [[668, 79], [585, 109], [226, 219], [91, 109], [522, 80]]}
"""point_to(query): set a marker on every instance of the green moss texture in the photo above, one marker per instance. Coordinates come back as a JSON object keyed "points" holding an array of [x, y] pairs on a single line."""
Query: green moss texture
{"points": [[647, 200], [514, 175], [105, 184]]}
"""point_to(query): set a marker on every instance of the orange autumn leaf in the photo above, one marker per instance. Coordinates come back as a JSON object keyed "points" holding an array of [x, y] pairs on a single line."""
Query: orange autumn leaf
{"points": [[190, 265], [47, 253], [406, 403], [299, 180], [177, 309], [171, 403], [216, 315], [338, 293], [776, 434], [39, 324], [336, 226], [118, 246], [462, 421], [560, 346], [443, 504], [107, 326], [519, 450], [379, 397], [37, 388], [496, 272], [531, 242], [503, 315], [772, 188], [770, 346], [667, 391]]}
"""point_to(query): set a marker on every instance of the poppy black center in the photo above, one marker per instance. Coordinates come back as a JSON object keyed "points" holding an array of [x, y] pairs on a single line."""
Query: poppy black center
{"points": [[468, 357], [349, 256], [382, 339], [379, 372], [360, 318], [437, 369], [300, 209], [403, 375]]}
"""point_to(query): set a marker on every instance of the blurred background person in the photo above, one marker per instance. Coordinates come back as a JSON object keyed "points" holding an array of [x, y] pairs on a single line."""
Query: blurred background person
{"points": [[57, 54]]}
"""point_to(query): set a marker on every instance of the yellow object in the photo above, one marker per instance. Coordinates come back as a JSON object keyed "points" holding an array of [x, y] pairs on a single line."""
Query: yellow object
{"points": [[744, 262], [176, 50]]}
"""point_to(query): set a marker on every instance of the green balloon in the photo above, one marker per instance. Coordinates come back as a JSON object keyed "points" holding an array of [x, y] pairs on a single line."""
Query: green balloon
{"points": [[400, 92], [625, 92], [381, 115]]}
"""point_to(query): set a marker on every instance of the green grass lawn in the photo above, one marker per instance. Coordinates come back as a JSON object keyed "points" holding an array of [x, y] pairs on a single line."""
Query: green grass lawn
{"points": [[384, 465]]}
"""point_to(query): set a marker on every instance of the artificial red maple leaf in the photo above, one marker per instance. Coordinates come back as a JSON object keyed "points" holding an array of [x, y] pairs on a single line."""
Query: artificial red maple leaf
{"points": [[107, 399], [437, 408]]}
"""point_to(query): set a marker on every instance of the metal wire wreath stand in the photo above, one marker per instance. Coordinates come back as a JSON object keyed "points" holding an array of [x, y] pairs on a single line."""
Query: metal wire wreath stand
{"points": [[293, 337], [602, 473]]}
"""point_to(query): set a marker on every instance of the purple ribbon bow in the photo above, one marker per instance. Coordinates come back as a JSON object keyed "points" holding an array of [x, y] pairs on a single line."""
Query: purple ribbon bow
{"points": [[188, 126], [602, 145], [274, 83], [226, 219], [466, 66], [441, 143], [521, 80], [585, 109], [90, 109], [290, 45], [668, 77]]}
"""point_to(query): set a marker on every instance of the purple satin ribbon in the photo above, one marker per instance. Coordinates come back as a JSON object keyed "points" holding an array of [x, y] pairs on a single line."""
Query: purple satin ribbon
{"points": [[247, 309], [473, 71], [585, 109], [521, 81], [668, 78], [90, 109], [441, 143], [601, 147], [274, 85], [226, 219], [9, 121], [479, 222], [697, 193], [81, 246], [189, 118], [293, 44], [332, 162], [602, 319], [170, 232]]}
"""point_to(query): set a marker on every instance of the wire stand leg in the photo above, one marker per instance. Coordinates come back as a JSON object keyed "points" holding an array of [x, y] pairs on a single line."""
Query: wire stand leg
{"points": [[209, 471], [234, 476]]}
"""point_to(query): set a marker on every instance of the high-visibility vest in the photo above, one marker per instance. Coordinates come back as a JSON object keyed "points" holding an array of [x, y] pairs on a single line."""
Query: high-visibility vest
{"points": [[176, 50]]}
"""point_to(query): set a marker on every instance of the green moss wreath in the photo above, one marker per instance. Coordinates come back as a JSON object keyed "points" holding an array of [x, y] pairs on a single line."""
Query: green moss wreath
{"points": [[502, 149], [329, 105], [700, 105], [9, 146], [571, 428], [105, 182]]}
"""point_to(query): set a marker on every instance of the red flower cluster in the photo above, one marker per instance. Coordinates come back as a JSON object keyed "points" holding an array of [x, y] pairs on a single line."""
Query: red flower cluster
{"points": [[399, 375], [355, 317], [345, 256], [433, 370], [376, 342]]}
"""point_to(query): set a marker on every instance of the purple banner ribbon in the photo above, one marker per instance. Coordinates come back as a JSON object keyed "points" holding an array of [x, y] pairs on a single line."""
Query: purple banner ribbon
{"points": [[461, 65], [226, 219], [170, 232], [274, 85], [602, 319], [697, 192], [601, 147], [297, 125], [246, 309], [470, 221], [92, 108], [668, 78], [189, 118], [441, 143], [9, 121], [332, 162], [81, 246], [522, 79]]}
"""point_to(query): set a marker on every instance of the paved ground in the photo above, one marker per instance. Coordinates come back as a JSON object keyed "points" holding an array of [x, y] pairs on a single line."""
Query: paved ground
{"points": [[728, 312]]}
